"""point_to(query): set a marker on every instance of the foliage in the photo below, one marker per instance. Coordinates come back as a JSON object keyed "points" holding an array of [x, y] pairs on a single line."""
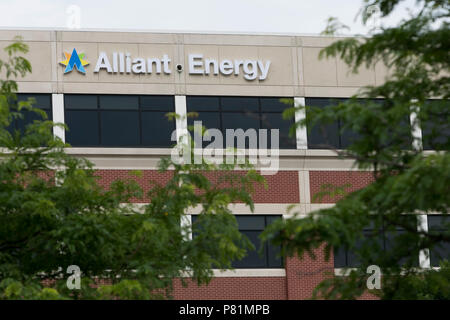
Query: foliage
{"points": [[54, 213], [408, 181]]}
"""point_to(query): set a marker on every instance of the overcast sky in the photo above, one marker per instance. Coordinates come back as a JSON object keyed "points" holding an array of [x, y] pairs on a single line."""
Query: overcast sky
{"points": [[274, 16]]}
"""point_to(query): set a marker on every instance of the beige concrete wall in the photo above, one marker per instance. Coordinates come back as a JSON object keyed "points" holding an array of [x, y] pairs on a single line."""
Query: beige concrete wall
{"points": [[295, 69]]}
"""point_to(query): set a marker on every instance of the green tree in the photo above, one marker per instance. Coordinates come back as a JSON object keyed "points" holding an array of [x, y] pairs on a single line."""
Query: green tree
{"points": [[407, 180], [53, 214]]}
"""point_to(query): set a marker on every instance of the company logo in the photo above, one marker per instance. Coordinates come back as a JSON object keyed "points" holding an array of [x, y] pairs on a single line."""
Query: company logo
{"points": [[76, 60]]}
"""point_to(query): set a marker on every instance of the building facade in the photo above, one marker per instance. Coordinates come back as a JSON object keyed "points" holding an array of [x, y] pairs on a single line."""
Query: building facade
{"points": [[113, 90]]}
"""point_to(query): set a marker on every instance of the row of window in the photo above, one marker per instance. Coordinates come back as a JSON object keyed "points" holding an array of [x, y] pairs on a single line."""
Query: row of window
{"points": [[141, 121], [245, 113], [436, 224], [435, 128]]}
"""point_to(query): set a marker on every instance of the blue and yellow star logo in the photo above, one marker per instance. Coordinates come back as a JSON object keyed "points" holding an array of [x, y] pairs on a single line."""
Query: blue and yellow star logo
{"points": [[76, 60]]}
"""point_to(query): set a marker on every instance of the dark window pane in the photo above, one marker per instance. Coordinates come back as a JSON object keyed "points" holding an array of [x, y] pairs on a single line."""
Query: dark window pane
{"points": [[239, 104], [157, 129], [276, 121], [273, 252], [240, 121], [436, 127], [119, 128], [439, 224], [252, 226], [274, 105], [83, 128], [368, 235], [119, 102], [202, 104], [162, 103], [80, 101], [439, 252], [340, 258], [393, 240], [210, 120], [322, 136], [243, 121], [348, 137], [253, 259], [43, 101], [29, 117], [251, 222]]}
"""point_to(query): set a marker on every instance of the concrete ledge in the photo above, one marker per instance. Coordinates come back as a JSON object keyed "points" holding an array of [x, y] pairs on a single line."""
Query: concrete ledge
{"points": [[250, 273]]}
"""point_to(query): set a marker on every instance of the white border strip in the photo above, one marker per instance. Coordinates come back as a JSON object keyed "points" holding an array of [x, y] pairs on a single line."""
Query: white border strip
{"points": [[58, 115], [279, 272], [301, 132]]}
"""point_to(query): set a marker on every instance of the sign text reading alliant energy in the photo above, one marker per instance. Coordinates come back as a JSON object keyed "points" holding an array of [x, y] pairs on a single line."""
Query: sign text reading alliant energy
{"points": [[124, 63]]}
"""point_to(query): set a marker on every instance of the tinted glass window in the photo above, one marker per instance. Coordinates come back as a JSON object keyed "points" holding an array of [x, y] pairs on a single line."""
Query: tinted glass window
{"points": [[344, 257], [275, 121], [119, 102], [83, 128], [158, 103], [121, 121], [438, 224], [436, 127], [322, 136], [118, 128], [156, 129], [273, 105], [243, 113], [79, 101], [240, 104], [203, 103], [42, 101], [252, 226], [335, 135], [234, 120]]}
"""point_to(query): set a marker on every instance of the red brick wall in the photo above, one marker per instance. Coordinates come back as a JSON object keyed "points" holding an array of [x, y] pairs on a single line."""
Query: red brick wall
{"points": [[282, 187], [233, 288], [106, 177], [356, 180], [304, 274]]}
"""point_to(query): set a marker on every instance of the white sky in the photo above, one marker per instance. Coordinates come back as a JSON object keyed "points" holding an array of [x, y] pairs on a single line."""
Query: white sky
{"points": [[274, 16]]}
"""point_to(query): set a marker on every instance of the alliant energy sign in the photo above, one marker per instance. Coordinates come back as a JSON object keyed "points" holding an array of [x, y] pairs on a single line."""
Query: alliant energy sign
{"points": [[198, 64]]}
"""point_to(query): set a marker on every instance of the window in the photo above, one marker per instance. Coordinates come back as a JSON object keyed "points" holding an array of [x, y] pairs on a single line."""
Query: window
{"points": [[42, 101], [332, 136], [119, 120], [323, 136], [438, 224], [436, 128], [242, 113], [346, 258], [252, 226]]}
